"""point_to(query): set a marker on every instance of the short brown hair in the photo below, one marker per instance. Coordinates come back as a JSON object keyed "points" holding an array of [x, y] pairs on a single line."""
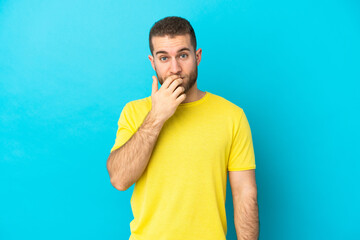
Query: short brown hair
{"points": [[172, 26]]}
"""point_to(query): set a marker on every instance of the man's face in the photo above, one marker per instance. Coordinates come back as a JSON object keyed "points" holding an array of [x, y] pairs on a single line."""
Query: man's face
{"points": [[175, 56]]}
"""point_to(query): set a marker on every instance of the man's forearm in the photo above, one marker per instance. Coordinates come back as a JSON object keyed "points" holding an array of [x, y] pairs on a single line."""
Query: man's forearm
{"points": [[127, 163], [246, 217]]}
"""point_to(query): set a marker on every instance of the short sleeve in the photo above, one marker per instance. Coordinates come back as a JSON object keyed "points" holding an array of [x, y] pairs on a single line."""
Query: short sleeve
{"points": [[242, 156], [124, 131]]}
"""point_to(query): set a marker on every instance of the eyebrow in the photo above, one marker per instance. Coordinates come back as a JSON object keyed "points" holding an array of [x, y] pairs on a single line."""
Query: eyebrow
{"points": [[183, 49]]}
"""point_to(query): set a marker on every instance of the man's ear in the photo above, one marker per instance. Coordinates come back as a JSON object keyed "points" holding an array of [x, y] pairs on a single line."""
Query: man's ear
{"points": [[151, 58], [198, 56]]}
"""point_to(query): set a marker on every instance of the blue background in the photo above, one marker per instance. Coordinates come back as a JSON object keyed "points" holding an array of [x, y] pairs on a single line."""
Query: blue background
{"points": [[67, 68]]}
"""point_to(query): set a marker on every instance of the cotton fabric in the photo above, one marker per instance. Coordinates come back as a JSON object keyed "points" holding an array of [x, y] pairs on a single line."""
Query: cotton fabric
{"points": [[181, 194]]}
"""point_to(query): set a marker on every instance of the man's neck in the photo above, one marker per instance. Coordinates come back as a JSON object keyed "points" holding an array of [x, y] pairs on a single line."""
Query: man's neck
{"points": [[193, 95]]}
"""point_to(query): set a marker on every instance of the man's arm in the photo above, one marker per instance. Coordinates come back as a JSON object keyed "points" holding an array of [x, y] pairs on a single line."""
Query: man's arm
{"points": [[127, 163], [246, 213]]}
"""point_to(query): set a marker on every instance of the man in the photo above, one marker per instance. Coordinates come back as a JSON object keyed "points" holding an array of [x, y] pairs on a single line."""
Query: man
{"points": [[177, 146]]}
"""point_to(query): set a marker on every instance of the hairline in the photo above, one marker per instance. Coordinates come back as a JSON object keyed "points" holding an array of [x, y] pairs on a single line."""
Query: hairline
{"points": [[173, 36]]}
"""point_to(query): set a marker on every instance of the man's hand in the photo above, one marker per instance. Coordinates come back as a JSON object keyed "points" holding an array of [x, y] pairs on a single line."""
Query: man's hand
{"points": [[166, 100]]}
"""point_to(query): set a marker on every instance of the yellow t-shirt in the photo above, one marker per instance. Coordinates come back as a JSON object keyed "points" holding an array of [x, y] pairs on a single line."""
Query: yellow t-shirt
{"points": [[181, 194]]}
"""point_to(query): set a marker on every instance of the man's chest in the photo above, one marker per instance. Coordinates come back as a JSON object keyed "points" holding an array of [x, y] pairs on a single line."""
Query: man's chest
{"points": [[193, 142]]}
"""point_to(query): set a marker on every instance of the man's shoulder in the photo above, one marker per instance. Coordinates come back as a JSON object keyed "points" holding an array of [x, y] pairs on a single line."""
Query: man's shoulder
{"points": [[225, 104], [142, 102], [142, 105]]}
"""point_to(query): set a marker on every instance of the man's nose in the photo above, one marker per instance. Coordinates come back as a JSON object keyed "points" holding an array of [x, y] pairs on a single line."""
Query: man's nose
{"points": [[175, 67]]}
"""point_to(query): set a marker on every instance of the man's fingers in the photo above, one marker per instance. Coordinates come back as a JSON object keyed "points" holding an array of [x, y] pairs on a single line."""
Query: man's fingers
{"points": [[169, 80], [154, 85], [181, 98], [175, 84]]}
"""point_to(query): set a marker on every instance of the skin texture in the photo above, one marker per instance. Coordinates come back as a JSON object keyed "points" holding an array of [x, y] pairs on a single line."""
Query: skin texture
{"points": [[168, 60], [126, 164], [246, 212]]}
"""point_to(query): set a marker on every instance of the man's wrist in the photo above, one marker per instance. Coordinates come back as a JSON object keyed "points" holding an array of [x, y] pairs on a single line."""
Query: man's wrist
{"points": [[154, 120]]}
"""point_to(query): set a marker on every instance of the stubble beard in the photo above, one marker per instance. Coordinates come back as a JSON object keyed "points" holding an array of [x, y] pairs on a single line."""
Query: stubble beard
{"points": [[189, 80]]}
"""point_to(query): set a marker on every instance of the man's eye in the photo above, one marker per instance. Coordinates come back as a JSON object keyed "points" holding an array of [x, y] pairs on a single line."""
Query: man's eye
{"points": [[163, 58], [184, 55]]}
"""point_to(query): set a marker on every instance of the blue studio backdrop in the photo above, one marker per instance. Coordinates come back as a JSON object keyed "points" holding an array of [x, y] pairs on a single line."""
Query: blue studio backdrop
{"points": [[67, 68]]}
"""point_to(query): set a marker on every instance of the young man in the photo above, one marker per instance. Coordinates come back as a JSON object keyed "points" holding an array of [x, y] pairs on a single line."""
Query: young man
{"points": [[178, 144]]}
